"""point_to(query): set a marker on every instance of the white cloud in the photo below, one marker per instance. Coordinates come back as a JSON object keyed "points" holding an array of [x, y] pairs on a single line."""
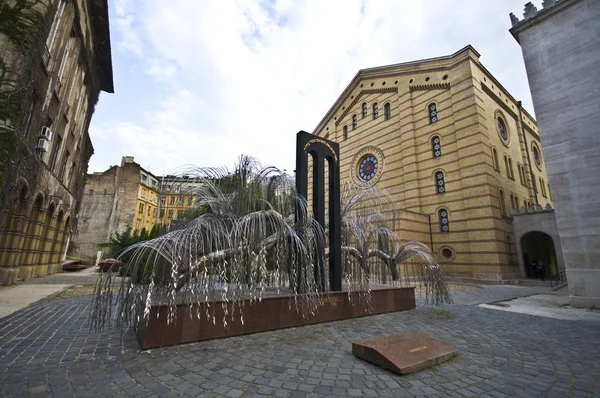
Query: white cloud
{"points": [[243, 76]]}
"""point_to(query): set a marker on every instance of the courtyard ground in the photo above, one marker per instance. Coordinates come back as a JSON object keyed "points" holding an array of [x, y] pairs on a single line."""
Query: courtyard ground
{"points": [[46, 349]]}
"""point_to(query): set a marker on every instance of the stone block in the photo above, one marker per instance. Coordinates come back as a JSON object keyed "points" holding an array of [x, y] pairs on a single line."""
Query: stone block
{"points": [[405, 352]]}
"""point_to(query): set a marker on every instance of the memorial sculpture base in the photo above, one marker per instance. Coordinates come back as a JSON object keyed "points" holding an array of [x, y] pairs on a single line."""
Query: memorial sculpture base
{"points": [[405, 352], [270, 313]]}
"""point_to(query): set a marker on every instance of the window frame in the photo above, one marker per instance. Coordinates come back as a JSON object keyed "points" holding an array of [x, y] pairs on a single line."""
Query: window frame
{"points": [[433, 117]]}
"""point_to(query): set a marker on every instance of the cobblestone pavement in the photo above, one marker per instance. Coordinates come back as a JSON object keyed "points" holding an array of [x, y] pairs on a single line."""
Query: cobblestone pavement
{"points": [[47, 350]]}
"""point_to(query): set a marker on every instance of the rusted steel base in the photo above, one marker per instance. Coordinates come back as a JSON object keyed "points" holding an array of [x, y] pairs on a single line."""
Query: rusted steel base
{"points": [[405, 352], [269, 314]]}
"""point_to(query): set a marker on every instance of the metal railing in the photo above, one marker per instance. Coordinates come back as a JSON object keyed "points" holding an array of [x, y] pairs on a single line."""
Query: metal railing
{"points": [[559, 279]]}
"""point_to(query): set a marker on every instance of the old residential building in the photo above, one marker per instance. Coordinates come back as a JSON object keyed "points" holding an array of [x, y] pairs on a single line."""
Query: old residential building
{"points": [[55, 60], [128, 196], [561, 49], [456, 151]]}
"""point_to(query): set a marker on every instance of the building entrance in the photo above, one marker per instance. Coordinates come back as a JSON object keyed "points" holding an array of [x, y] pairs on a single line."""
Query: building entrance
{"points": [[536, 246]]}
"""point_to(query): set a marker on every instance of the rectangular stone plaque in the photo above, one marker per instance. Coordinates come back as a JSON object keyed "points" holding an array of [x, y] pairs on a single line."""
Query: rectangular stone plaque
{"points": [[405, 352]]}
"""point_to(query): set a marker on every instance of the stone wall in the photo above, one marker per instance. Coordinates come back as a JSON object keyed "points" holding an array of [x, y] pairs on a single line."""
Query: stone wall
{"points": [[95, 218], [561, 49]]}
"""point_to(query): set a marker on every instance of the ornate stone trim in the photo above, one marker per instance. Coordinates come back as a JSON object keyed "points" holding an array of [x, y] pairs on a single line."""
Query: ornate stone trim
{"points": [[429, 87]]}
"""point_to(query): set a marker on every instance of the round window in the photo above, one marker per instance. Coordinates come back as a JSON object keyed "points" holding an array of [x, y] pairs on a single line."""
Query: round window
{"points": [[368, 167], [447, 253], [502, 129]]}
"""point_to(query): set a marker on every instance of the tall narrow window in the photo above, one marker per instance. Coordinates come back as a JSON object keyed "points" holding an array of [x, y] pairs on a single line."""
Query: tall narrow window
{"points": [[364, 110], [525, 204], [375, 111], [436, 147], [433, 115], [55, 24], [345, 133], [388, 111], [549, 193], [354, 122], [439, 182], [502, 203], [444, 221], [55, 152], [543, 187], [520, 171], [495, 159], [511, 174], [512, 201], [516, 202], [506, 166]]}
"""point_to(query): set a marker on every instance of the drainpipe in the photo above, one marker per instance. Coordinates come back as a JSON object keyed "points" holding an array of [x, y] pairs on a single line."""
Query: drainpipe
{"points": [[527, 152]]}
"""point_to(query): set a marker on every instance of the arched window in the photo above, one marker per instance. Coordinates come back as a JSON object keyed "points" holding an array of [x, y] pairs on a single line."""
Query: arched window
{"points": [[506, 166], [436, 147], [439, 182], [543, 187], [375, 111], [364, 110], [354, 122], [525, 204], [512, 201], [510, 169], [433, 116], [444, 220], [516, 202], [345, 133], [388, 111], [495, 159], [520, 171], [502, 203]]}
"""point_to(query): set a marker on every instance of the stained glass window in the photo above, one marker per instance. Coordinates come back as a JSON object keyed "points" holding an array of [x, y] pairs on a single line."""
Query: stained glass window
{"points": [[388, 111], [444, 222], [433, 116], [354, 122], [536, 156], [439, 182], [368, 167], [436, 147], [375, 111], [364, 110], [502, 129]]}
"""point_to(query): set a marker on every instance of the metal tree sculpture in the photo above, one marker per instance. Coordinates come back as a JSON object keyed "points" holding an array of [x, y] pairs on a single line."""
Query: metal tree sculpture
{"points": [[247, 243]]}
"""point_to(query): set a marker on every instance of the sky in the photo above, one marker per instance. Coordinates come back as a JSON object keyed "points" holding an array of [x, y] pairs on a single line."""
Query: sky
{"points": [[200, 82]]}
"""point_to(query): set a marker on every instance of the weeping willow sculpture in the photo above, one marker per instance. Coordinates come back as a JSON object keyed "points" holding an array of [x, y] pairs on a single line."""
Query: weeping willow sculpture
{"points": [[247, 242]]}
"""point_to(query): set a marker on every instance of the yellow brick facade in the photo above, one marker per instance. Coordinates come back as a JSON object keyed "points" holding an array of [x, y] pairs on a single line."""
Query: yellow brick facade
{"points": [[468, 102]]}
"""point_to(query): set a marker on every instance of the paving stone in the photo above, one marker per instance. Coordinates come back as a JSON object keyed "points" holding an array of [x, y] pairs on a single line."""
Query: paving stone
{"points": [[499, 357]]}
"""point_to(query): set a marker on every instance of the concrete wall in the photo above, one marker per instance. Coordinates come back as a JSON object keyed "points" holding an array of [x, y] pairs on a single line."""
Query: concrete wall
{"points": [[561, 48]]}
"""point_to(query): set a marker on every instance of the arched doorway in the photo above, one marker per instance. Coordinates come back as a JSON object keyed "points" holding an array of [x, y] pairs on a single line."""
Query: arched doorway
{"points": [[537, 246]]}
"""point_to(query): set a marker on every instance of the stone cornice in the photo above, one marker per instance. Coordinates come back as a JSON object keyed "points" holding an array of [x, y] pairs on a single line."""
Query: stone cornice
{"points": [[429, 87]]}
